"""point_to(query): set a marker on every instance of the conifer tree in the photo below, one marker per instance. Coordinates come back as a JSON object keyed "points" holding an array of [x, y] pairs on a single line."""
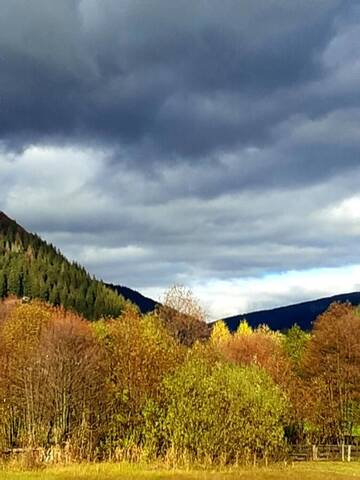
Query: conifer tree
{"points": [[31, 267]]}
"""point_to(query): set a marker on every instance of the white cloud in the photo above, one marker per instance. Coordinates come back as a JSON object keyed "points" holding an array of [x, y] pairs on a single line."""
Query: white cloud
{"points": [[51, 183], [347, 210], [95, 256], [230, 297]]}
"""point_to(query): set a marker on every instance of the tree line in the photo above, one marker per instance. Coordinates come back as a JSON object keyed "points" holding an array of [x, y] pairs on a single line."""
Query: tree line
{"points": [[33, 268], [162, 386]]}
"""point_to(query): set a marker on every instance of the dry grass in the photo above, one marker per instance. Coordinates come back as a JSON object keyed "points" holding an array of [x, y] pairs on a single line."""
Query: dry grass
{"points": [[300, 471]]}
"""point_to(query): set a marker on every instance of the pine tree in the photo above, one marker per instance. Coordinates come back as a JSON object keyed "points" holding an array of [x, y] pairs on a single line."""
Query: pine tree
{"points": [[31, 267]]}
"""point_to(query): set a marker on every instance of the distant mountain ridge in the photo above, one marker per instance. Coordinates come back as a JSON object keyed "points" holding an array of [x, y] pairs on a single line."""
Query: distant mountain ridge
{"points": [[283, 318]]}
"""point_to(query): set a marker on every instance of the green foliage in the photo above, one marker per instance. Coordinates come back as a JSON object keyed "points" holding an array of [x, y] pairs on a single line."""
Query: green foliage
{"points": [[294, 343], [30, 267], [221, 412]]}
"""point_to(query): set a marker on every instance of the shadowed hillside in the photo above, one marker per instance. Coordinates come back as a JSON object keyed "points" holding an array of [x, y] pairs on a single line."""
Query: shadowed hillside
{"points": [[145, 304]]}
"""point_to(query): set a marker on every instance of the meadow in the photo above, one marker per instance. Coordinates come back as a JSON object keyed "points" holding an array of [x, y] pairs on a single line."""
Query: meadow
{"points": [[108, 471]]}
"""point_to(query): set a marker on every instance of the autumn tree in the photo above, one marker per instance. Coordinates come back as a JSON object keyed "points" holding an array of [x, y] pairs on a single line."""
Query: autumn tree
{"points": [[73, 368], [140, 352], [331, 372], [50, 380], [21, 384], [243, 329], [183, 316], [220, 334]]}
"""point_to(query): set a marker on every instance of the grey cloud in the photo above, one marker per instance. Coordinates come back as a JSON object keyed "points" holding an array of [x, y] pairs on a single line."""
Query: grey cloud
{"points": [[137, 71], [219, 137], [236, 235]]}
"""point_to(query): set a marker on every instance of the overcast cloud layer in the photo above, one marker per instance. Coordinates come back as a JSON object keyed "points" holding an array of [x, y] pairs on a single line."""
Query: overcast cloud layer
{"points": [[210, 143]]}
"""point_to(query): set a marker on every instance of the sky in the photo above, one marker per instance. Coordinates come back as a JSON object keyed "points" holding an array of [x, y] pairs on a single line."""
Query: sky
{"points": [[214, 144]]}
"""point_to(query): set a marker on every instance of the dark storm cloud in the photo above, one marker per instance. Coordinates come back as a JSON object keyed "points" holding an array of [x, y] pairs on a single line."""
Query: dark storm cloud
{"points": [[198, 142], [185, 78]]}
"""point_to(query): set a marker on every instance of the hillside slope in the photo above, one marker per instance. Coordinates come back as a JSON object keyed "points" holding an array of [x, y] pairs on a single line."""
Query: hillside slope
{"points": [[145, 304], [31, 267], [283, 318]]}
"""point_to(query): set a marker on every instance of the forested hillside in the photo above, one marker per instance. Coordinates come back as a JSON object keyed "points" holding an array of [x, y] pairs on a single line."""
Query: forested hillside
{"points": [[31, 267]]}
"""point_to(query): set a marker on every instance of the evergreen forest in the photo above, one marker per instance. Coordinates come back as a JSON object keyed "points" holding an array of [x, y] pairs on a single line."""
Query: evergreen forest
{"points": [[30, 267]]}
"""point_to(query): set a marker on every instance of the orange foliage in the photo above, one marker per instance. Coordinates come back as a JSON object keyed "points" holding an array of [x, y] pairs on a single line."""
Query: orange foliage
{"points": [[49, 374], [331, 372], [262, 347]]}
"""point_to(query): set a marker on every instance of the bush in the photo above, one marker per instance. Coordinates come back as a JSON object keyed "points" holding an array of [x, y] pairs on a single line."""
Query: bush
{"points": [[222, 413]]}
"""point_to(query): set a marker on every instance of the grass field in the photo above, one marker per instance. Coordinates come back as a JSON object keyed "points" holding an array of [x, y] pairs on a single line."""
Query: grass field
{"points": [[300, 471]]}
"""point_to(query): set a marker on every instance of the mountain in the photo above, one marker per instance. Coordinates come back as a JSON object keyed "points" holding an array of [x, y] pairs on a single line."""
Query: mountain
{"points": [[145, 304], [283, 318], [31, 267], [7, 223]]}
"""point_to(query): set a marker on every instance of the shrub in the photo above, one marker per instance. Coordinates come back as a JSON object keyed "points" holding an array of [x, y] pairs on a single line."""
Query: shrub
{"points": [[221, 413]]}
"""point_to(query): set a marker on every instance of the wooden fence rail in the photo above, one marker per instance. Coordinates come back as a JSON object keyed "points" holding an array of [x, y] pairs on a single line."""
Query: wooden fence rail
{"points": [[298, 453], [344, 453]]}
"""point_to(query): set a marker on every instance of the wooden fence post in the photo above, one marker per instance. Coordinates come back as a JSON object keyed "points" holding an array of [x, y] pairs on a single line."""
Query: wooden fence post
{"points": [[349, 453], [314, 452], [343, 452]]}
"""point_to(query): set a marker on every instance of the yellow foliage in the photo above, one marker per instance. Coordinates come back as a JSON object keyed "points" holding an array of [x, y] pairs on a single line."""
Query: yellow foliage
{"points": [[220, 333], [23, 327], [244, 329]]}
